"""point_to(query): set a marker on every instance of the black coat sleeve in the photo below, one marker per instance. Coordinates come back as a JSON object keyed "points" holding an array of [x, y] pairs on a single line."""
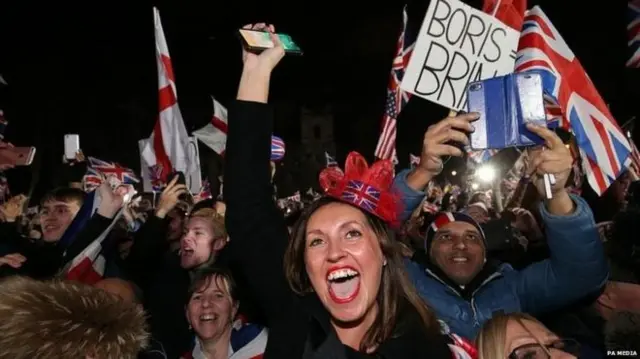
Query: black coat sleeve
{"points": [[255, 225]]}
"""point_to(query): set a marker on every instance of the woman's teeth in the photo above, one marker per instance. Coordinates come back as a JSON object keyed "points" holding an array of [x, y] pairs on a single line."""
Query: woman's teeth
{"points": [[207, 317], [343, 274]]}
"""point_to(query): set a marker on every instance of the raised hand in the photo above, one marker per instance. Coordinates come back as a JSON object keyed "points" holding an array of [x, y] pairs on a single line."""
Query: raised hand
{"points": [[267, 59], [5, 166], [256, 74], [553, 158], [14, 260], [170, 197], [110, 201], [436, 145]]}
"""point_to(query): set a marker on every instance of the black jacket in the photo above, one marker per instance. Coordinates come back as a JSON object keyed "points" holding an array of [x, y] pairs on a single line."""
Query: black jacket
{"points": [[298, 327], [164, 284]]}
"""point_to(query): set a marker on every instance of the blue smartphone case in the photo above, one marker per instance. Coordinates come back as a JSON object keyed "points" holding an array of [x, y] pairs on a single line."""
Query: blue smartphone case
{"points": [[506, 104]]}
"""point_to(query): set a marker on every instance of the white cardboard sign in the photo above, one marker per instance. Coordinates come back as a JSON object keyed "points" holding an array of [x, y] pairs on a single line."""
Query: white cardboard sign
{"points": [[457, 45]]}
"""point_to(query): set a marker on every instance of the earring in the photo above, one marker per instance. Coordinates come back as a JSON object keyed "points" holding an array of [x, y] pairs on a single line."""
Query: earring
{"points": [[384, 263]]}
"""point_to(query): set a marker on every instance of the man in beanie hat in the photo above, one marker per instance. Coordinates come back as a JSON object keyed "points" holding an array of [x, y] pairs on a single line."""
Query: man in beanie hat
{"points": [[460, 260], [454, 275]]}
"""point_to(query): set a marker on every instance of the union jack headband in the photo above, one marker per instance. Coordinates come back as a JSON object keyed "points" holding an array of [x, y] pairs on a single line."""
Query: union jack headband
{"points": [[368, 188]]}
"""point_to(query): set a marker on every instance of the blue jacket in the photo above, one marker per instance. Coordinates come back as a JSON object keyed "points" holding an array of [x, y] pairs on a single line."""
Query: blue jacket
{"points": [[577, 266]]}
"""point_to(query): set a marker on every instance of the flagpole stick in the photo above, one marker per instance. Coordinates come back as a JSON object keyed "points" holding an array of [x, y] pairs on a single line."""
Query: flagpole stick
{"points": [[631, 170]]}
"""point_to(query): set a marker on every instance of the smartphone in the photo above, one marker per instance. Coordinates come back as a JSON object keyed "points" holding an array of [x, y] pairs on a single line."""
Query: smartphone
{"points": [[181, 180], [71, 146], [506, 104], [17, 156], [258, 41]]}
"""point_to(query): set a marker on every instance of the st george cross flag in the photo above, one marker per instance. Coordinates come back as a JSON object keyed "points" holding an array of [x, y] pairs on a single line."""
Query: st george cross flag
{"points": [[214, 134], [396, 97], [604, 147], [633, 30], [167, 148], [99, 170]]}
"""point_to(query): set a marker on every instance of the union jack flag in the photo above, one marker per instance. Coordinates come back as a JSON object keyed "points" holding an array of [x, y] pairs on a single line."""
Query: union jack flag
{"points": [[396, 97], [155, 176], [634, 33], [635, 158], [604, 148], [277, 148], [362, 195], [205, 192], [99, 171]]}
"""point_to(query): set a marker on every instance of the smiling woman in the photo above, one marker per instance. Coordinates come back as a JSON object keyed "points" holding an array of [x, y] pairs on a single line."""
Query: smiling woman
{"points": [[212, 313], [349, 259], [344, 293]]}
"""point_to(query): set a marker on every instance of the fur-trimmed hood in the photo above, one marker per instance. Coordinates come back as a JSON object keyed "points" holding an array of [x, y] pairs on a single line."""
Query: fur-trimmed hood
{"points": [[61, 319]]}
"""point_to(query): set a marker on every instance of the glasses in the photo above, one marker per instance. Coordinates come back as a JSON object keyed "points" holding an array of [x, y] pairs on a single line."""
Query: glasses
{"points": [[541, 351]]}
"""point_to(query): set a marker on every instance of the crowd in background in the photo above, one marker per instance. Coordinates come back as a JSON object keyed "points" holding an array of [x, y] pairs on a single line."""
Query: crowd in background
{"points": [[379, 265]]}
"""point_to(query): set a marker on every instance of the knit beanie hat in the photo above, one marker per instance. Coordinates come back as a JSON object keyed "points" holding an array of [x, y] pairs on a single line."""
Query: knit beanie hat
{"points": [[442, 219]]}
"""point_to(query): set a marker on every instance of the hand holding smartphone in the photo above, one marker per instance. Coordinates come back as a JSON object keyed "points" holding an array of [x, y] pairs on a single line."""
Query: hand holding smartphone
{"points": [[17, 156], [258, 41]]}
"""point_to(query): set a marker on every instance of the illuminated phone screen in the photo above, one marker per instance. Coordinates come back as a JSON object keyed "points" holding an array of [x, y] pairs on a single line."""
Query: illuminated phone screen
{"points": [[260, 39]]}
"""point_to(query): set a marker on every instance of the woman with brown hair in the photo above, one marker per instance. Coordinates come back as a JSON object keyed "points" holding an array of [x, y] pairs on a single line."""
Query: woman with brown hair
{"points": [[343, 292], [521, 336]]}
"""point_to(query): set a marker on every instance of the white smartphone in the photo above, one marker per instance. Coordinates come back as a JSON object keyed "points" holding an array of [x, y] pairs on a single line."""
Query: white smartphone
{"points": [[71, 146]]}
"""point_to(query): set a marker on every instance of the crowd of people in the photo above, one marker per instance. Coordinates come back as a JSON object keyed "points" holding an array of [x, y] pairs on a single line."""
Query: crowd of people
{"points": [[379, 266]]}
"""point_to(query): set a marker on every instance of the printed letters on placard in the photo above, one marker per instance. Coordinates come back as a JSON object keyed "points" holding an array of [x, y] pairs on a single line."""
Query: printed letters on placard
{"points": [[458, 45]]}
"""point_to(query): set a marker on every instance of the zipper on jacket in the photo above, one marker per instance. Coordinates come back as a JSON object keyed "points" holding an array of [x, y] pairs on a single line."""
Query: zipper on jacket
{"points": [[473, 296]]}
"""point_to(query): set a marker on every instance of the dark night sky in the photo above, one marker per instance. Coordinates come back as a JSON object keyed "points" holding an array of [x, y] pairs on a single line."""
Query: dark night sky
{"points": [[91, 70]]}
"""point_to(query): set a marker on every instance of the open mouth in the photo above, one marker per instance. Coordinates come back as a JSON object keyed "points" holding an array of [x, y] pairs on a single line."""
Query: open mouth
{"points": [[186, 252], [344, 284], [460, 259], [208, 317], [50, 227]]}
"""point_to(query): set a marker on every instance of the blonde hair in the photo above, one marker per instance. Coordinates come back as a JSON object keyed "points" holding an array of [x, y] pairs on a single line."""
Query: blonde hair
{"points": [[215, 218], [61, 319], [492, 340]]}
